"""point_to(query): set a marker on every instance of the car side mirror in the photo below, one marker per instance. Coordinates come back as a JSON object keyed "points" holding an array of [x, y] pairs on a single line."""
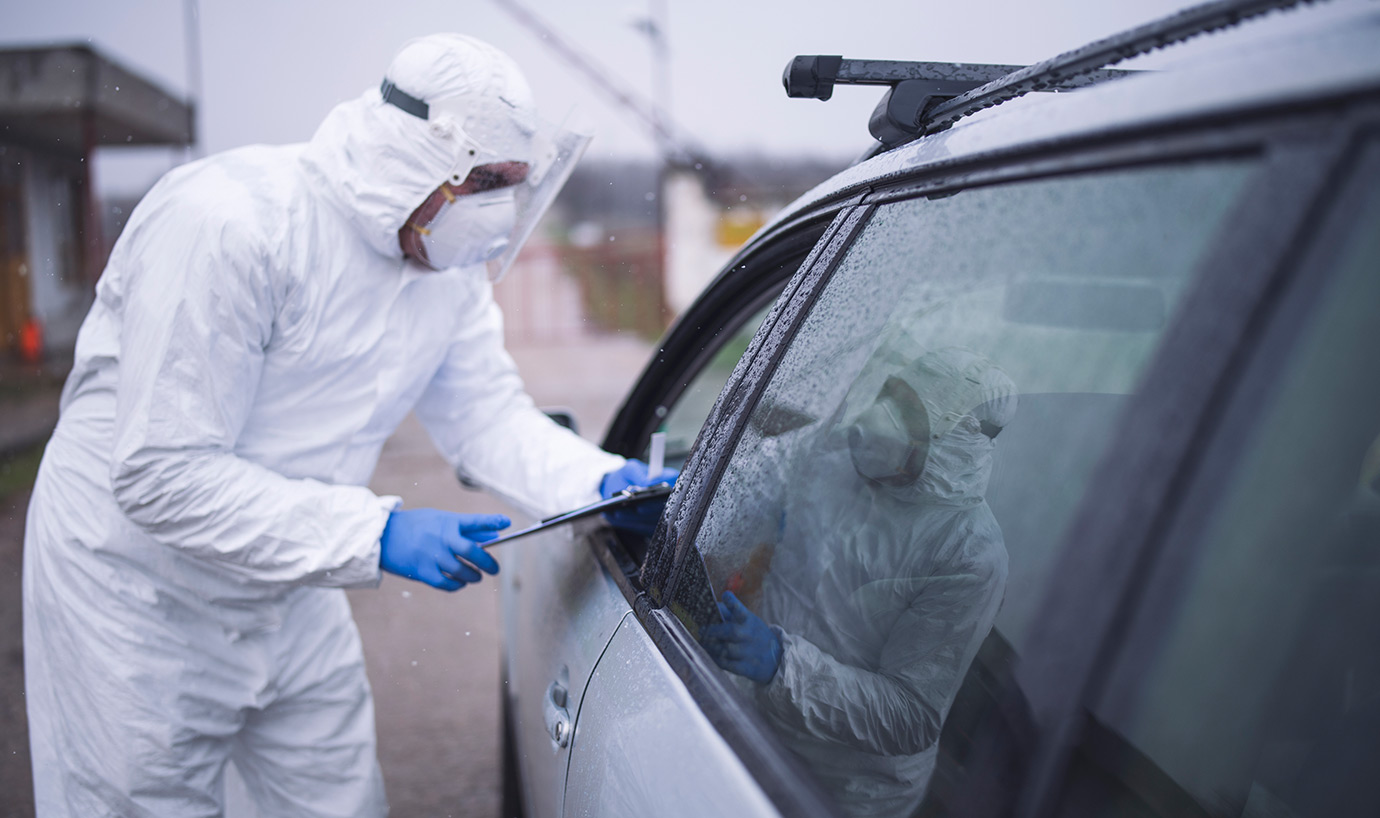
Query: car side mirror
{"points": [[563, 416]]}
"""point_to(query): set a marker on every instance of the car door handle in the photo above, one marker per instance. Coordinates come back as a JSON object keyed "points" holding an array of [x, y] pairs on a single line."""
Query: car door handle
{"points": [[557, 716]]}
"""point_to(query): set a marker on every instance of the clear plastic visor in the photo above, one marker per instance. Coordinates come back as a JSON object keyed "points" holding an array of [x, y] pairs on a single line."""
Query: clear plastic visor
{"points": [[555, 150]]}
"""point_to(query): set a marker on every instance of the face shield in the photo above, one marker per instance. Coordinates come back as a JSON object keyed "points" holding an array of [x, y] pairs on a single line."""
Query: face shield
{"points": [[556, 150], [507, 173]]}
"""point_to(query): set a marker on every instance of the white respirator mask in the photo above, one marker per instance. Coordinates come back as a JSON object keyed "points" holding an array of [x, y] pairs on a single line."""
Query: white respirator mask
{"points": [[889, 442], [470, 229]]}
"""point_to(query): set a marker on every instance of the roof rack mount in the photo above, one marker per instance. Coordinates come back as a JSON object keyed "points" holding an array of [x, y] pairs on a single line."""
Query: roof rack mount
{"points": [[914, 87]]}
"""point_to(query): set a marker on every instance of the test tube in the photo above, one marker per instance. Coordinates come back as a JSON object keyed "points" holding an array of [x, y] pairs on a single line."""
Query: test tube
{"points": [[657, 460]]}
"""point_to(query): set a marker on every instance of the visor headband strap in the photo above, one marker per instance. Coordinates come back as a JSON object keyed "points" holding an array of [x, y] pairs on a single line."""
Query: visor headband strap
{"points": [[393, 95]]}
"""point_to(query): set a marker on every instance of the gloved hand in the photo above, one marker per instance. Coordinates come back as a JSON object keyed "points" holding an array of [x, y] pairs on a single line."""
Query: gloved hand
{"points": [[633, 474], [427, 545], [743, 643]]}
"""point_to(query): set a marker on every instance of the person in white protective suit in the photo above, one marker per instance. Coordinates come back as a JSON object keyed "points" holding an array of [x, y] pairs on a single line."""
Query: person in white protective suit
{"points": [[267, 318], [886, 579]]}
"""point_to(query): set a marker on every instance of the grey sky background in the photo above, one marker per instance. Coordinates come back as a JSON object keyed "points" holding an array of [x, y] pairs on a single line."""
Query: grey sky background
{"points": [[271, 69]]}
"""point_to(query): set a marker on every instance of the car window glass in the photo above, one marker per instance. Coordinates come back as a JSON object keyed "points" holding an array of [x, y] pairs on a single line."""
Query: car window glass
{"points": [[920, 449], [1258, 692], [683, 419]]}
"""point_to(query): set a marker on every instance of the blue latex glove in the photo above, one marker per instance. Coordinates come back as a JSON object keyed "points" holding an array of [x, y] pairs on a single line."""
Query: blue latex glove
{"points": [[633, 474], [428, 545], [743, 643]]}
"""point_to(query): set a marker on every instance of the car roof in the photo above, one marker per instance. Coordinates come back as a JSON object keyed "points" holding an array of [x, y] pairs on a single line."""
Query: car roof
{"points": [[1300, 58]]}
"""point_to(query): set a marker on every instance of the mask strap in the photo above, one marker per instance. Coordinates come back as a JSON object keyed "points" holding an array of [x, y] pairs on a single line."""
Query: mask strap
{"points": [[398, 98]]}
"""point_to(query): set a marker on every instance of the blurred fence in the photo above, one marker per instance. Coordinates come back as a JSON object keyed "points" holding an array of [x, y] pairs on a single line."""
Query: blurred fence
{"points": [[622, 282], [541, 302], [559, 292]]}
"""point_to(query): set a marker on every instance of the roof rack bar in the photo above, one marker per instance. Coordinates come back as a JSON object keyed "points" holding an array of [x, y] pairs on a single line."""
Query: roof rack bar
{"points": [[814, 76], [915, 87], [890, 72], [1082, 62]]}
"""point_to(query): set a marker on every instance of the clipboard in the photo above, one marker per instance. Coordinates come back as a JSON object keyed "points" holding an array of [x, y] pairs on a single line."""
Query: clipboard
{"points": [[623, 499]]}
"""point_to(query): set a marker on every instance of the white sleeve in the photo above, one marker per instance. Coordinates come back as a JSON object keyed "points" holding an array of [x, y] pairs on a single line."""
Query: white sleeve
{"points": [[898, 707], [198, 312], [485, 424]]}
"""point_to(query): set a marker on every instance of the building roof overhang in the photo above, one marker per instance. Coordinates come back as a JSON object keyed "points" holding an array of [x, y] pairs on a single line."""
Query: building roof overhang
{"points": [[67, 98]]}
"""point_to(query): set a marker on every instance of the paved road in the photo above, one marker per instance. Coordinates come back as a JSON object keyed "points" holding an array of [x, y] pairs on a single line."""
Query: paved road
{"points": [[16, 788], [433, 657]]}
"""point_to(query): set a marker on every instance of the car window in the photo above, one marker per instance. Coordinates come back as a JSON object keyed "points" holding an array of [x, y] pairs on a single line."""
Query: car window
{"points": [[914, 460], [681, 421], [1257, 693]]}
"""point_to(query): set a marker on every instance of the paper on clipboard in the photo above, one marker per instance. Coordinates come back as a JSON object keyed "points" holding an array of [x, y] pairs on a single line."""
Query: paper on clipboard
{"points": [[657, 459], [623, 499]]}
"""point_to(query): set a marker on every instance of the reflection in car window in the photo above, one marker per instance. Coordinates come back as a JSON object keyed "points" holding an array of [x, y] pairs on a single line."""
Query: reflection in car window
{"points": [[1260, 694], [684, 418], [921, 447]]}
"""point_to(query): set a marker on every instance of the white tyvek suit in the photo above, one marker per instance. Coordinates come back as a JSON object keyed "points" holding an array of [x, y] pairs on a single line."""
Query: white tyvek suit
{"points": [[881, 597], [256, 337]]}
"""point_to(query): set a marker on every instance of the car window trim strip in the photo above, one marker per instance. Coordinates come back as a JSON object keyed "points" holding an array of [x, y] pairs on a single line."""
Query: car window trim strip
{"points": [[764, 353]]}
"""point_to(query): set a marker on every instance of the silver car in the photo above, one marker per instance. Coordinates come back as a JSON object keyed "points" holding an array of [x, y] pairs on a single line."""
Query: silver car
{"points": [[1029, 467]]}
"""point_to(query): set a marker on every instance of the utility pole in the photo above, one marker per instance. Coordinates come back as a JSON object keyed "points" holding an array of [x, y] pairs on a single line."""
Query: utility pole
{"points": [[191, 22], [661, 51], [683, 150], [653, 27]]}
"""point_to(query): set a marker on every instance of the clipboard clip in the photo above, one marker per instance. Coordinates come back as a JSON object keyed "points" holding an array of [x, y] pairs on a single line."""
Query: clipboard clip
{"points": [[627, 497]]}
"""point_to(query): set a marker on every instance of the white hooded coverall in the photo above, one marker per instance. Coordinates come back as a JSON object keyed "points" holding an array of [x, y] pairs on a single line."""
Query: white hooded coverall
{"points": [[256, 337], [881, 596]]}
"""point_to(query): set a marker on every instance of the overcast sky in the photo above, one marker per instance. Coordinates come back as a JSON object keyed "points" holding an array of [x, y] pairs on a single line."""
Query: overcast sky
{"points": [[271, 69]]}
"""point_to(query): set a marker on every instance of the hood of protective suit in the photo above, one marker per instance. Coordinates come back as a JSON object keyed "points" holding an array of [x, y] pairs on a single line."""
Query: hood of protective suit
{"points": [[378, 163], [956, 471]]}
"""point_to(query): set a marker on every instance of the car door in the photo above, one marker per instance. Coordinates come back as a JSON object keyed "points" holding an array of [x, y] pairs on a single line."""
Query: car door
{"points": [[566, 590], [1058, 285], [1245, 679]]}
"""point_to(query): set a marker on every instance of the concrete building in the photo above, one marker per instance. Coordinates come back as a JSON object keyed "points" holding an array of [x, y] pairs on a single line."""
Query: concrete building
{"points": [[57, 105]]}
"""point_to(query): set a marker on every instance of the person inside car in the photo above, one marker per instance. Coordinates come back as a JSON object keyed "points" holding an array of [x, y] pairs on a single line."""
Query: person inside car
{"points": [[887, 576]]}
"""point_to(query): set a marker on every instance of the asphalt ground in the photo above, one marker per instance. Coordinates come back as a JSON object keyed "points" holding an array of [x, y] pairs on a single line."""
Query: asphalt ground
{"points": [[16, 787], [432, 656]]}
